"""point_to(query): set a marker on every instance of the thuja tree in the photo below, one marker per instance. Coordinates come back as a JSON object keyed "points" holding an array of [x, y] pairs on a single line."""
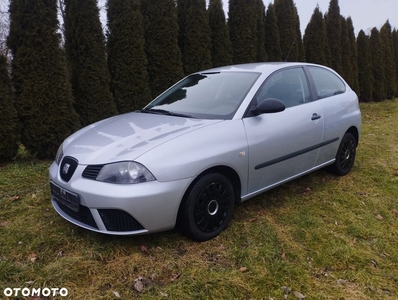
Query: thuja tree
{"points": [[388, 60], [161, 44], [242, 25], [85, 50], [289, 32], [394, 35], [195, 40], [346, 63], [333, 31], [300, 44], [365, 78], [40, 78], [272, 40], [182, 20], [261, 52], [378, 73], [221, 51], [8, 115], [127, 62], [354, 56], [315, 39]]}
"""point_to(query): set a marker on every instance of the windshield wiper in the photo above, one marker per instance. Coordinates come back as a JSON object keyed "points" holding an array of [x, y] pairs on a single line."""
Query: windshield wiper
{"points": [[164, 112]]}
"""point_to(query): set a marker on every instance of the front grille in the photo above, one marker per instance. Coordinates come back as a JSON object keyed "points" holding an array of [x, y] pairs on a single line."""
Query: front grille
{"points": [[119, 220], [67, 168], [83, 215], [91, 172]]}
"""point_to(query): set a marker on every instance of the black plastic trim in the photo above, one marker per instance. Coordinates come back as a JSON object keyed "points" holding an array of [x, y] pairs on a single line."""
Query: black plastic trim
{"points": [[68, 167], [83, 215], [92, 171], [294, 154], [118, 220]]}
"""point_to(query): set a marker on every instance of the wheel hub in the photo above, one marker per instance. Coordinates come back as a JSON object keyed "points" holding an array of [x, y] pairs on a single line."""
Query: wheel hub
{"points": [[212, 207], [347, 154]]}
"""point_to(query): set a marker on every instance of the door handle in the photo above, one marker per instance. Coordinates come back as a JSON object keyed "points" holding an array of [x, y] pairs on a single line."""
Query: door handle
{"points": [[315, 116]]}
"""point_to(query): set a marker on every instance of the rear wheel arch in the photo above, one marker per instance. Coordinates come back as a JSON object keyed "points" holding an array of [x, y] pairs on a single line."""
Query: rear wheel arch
{"points": [[354, 131], [346, 153]]}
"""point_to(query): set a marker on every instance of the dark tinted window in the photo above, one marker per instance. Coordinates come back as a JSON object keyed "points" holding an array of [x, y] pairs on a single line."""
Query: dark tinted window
{"points": [[327, 84], [290, 86]]}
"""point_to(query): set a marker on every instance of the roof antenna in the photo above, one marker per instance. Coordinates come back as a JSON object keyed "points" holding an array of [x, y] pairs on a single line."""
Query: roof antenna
{"points": [[291, 47]]}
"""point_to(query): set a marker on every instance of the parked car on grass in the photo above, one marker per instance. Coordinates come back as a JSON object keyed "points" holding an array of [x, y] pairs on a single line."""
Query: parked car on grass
{"points": [[214, 139]]}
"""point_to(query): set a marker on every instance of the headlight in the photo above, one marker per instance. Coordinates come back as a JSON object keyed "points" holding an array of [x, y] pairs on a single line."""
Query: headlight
{"points": [[60, 154], [125, 172]]}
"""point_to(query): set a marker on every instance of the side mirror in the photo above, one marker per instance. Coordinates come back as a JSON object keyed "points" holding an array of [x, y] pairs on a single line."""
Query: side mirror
{"points": [[268, 106]]}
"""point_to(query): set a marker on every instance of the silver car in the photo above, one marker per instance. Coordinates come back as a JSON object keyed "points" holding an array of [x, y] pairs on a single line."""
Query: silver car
{"points": [[214, 139]]}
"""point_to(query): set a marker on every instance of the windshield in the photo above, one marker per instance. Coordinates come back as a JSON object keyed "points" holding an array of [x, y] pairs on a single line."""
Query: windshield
{"points": [[206, 95]]}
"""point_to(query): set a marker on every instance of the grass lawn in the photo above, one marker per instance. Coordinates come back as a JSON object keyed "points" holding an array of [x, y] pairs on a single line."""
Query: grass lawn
{"points": [[321, 236]]}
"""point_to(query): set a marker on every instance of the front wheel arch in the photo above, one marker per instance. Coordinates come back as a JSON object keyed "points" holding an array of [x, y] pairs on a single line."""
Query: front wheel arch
{"points": [[186, 222], [229, 173]]}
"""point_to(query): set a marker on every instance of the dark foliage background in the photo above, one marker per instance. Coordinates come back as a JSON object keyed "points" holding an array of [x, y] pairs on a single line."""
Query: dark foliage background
{"points": [[161, 44], [127, 62], [221, 50], [334, 31], [378, 70], [86, 54], [68, 76], [9, 131], [195, 37], [40, 78], [365, 76], [315, 39]]}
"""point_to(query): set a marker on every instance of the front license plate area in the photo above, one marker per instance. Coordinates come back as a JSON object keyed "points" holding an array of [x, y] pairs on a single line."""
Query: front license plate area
{"points": [[69, 199]]}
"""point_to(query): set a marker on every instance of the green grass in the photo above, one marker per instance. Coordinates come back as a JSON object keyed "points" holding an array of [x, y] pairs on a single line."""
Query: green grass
{"points": [[326, 237]]}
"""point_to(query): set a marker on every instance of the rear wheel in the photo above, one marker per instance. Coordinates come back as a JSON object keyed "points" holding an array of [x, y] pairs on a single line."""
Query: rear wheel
{"points": [[345, 156], [208, 207]]}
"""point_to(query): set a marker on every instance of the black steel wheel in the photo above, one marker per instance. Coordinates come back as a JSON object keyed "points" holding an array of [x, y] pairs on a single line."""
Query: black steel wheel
{"points": [[208, 207], [345, 156]]}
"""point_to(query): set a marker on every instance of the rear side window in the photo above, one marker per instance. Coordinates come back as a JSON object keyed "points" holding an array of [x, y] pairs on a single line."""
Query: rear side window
{"points": [[327, 84]]}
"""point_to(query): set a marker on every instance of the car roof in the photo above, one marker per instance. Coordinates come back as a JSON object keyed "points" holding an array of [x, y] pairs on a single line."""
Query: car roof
{"points": [[264, 67]]}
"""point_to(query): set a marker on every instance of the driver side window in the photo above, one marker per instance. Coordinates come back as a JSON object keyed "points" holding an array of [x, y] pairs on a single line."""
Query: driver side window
{"points": [[290, 86]]}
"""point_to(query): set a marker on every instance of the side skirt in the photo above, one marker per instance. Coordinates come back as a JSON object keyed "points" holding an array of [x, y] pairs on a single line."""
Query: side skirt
{"points": [[260, 191]]}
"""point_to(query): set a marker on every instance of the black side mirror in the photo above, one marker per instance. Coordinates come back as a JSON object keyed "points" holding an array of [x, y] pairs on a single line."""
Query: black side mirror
{"points": [[268, 106]]}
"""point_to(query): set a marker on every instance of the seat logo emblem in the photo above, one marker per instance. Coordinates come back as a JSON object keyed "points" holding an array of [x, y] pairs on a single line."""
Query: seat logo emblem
{"points": [[65, 168]]}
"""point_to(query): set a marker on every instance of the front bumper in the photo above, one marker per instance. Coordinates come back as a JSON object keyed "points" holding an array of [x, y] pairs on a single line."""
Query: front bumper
{"points": [[119, 209]]}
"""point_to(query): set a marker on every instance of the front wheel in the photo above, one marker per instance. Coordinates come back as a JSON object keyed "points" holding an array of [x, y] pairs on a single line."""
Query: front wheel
{"points": [[345, 156], [208, 207]]}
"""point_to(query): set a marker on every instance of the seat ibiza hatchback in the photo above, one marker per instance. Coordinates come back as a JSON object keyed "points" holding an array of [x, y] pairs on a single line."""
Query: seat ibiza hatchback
{"points": [[212, 140]]}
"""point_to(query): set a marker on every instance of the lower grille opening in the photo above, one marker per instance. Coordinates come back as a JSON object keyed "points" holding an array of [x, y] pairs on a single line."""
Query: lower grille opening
{"points": [[83, 215], [119, 220]]}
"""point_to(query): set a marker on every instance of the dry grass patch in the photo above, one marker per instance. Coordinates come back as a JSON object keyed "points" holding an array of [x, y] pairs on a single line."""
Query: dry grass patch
{"points": [[320, 236]]}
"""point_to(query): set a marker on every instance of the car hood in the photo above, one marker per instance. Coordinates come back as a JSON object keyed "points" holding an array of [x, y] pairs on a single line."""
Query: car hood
{"points": [[127, 136]]}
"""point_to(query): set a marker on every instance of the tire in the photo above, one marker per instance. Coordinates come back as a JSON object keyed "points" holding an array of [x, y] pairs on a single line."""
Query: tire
{"points": [[208, 207], [345, 156]]}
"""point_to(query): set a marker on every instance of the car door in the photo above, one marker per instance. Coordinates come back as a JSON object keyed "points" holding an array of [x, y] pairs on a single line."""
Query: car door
{"points": [[340, 106], [285, 144]]}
